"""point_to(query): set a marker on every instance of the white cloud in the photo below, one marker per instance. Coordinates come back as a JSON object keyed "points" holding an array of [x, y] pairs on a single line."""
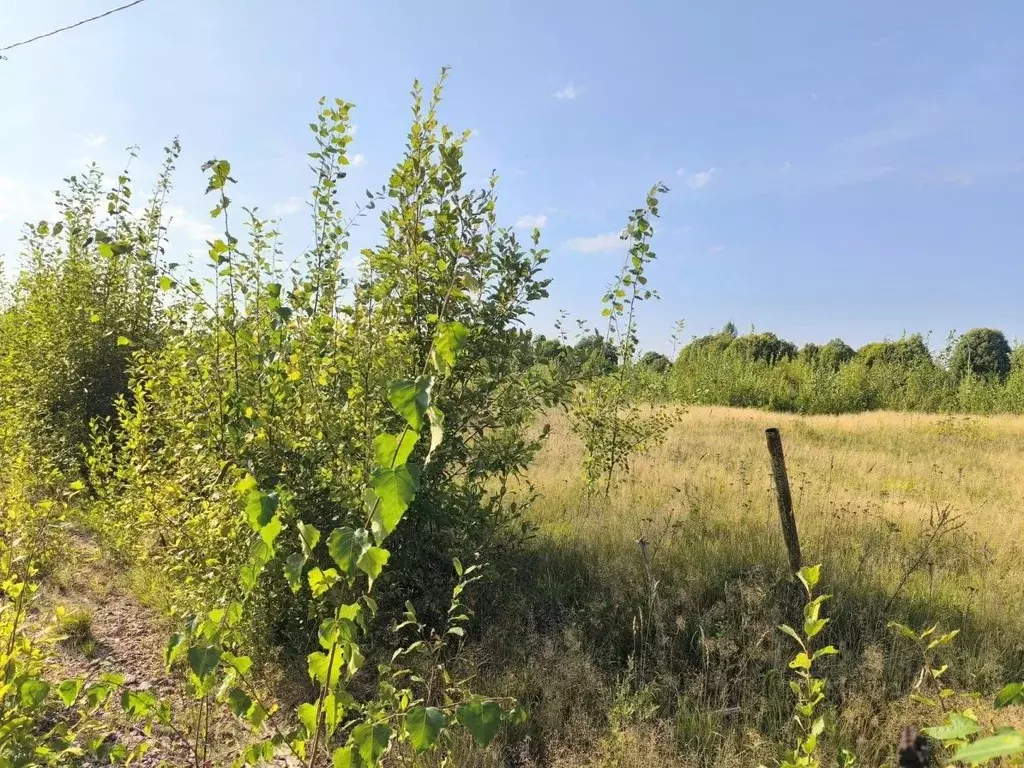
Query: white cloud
{"points": [[198, 230], [357, 160], [569, 92], [532, 221], [699, 179], [288, 207], [716, 249], [94, 140], [611, 241]]}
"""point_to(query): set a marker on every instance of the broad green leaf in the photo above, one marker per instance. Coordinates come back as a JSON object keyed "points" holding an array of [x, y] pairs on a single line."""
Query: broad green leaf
{"points": [[241, 664], [903, 629], [310, 538], [262, 553], [828, 650], [482, 719], [137, 704], [176, 645], [293, 570], [347, 546], [800, 661], [396, 489], [373, 561], [307, 716], [944, 640], [424, 725], [981, 751], [166, 283], [957, 727], [321, 664], [34, 692], [345, 757], [321, 581], [393, 451], [410, 399], [809, 575], [123, 341], [260, 509], [449, 338], [812, 628], [271, 530], [203, 660], [1011, 694], [69, 690], [239, 702], [371, 739]]}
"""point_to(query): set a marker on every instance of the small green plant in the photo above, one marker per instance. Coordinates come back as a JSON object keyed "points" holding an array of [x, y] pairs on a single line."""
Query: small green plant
{"points": [[808, 689], [605, 414], [961, 733]]}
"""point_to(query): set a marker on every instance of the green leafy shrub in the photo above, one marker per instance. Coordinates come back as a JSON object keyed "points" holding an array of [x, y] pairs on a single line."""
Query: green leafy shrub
{"points": [[981, 352]]}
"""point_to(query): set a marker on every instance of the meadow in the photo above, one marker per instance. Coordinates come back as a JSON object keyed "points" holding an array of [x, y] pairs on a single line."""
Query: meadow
{"points": [[259, 509]]}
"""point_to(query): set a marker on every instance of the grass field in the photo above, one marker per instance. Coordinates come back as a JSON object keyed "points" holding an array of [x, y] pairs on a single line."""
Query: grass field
{"points": [[916, 518]]}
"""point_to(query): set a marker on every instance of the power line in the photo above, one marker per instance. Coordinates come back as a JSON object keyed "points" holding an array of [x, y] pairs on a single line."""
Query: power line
{"points": [[70, 26]]}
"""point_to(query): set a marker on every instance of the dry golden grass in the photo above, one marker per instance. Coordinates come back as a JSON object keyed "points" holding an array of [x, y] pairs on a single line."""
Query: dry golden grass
{"points": [[916, 518]]}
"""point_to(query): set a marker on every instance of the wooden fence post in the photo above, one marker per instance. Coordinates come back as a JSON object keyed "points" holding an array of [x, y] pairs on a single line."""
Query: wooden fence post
{"points": [[786, 516]]}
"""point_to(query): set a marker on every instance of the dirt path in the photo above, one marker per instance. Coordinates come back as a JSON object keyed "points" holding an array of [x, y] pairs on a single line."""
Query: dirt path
{"points": [[113, 631]]}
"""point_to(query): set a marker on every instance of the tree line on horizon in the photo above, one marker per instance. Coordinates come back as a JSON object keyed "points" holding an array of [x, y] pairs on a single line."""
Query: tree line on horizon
{"points": [[978, 371]]}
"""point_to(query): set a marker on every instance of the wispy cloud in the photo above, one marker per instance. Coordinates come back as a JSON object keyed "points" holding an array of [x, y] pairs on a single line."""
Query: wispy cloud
{"points": [[697, 179], [532, 221], [716, 249], [612, 241], [569, 92], [93, 140], [288, 207], [920, 121], [358, 160], [786, 167], [198, 230], [969, 175]]}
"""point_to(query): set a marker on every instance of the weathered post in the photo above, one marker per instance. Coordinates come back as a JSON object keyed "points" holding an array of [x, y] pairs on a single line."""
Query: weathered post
{"points": [[786, 515]]}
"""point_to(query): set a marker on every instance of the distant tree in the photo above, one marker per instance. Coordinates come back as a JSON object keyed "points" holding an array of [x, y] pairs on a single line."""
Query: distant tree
{"points": [[764, 347], [597, 355], [906, 352], [809, 353], [545, 350], [834, 354], [713, 342], [656, 361], [981, 352]]}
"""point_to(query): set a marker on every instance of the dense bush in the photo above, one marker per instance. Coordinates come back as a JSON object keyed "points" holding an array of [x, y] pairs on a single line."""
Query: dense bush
{"points": [[765, 347], [981, 352], [655, 361]]}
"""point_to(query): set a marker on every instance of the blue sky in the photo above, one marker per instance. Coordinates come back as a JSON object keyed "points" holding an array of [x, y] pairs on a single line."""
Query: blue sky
{"points": [[851, 169]]}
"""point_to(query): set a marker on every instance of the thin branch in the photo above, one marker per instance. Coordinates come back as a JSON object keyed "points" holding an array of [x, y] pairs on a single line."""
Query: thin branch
{"points": [[70, 26]]}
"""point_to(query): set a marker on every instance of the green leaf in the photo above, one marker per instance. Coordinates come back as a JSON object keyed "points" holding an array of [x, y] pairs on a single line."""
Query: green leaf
{"points": [[346, 546], [176, 645], [410, 399], [123, 341], [1011, 694], [34, 692], [449, 338], [345, 757], [800, 661], [293, 566], [396, 488], [809, 575], [203, 660], [137, 704], [944, 640], [371, 739], [828, 650], [321, 581], [321, 664], [69, 690], [239, 702], [166, 283], [307, 716], [390, 451], [903, 629], [981, 751], [260, 508], [310, 538], [812, 628], [482, 719], [373, 561], [957, 727], [792, 633], [424, 725]]}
